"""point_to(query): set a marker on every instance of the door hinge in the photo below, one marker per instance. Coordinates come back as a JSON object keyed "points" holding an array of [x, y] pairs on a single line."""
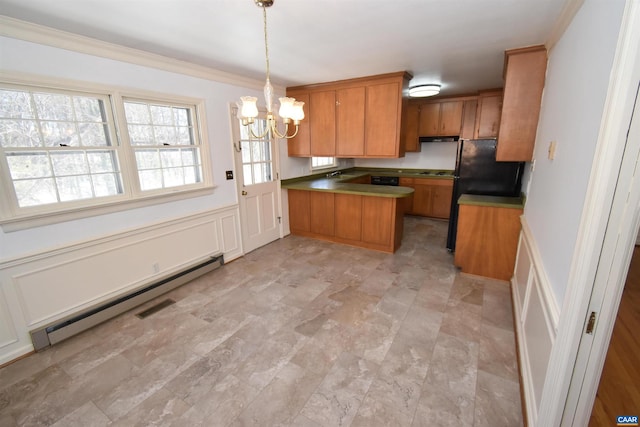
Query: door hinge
{"points": [[591, 323], [279, 220]]}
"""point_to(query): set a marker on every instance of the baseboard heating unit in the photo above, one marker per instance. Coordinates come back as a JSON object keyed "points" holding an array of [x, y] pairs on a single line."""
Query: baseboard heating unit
{"points": [[76, 323]]}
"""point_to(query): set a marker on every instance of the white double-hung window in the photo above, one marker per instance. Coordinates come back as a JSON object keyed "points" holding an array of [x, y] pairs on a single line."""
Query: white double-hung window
{"points": [[58, 146], [164, 142], [73, 151]]}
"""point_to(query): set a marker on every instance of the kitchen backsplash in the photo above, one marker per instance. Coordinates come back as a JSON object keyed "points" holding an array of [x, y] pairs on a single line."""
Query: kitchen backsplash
{"points": [[434, 155]]}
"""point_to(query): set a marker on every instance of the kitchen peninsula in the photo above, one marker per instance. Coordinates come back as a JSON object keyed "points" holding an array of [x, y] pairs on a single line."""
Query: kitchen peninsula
{"points": [[346, 209], [334, 209]]}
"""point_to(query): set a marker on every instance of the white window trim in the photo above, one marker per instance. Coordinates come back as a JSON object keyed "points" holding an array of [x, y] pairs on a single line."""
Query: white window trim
{"points": [[323, 167], [24, 218]]}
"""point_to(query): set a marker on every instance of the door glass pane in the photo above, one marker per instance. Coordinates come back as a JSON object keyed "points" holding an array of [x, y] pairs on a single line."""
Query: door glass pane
{"points": [[256, 154]]}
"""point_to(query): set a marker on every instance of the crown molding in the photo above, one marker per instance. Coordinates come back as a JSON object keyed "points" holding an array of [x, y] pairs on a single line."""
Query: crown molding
{"points": [[22, 30], [569, 10]]}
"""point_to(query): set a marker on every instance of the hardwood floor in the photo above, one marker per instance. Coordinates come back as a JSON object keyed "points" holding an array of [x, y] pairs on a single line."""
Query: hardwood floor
{"points": [[619, 392]]}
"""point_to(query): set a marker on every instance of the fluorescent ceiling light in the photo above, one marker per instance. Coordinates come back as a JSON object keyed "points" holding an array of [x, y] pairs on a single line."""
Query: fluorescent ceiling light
{"points": [[424, 90]]}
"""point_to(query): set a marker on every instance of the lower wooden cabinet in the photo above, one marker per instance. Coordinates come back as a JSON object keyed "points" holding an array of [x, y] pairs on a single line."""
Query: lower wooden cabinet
{"points": [[367, 221], [348, 216], [322, 206], [487, 240], [432, 196]]}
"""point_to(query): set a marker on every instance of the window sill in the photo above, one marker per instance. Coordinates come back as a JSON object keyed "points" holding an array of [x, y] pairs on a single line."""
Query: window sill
{"points": [[38, 220]]}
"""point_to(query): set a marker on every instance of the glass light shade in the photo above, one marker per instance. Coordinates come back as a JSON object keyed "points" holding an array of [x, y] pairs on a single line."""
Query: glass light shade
{"points": [[424, 90], [297, 111], [286, 108], [249, 107]]}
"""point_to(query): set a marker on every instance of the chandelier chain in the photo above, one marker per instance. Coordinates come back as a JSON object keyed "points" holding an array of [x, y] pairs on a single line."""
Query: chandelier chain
{"points": [[266, 45]]}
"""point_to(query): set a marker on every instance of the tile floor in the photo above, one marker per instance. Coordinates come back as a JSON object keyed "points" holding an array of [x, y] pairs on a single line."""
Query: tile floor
{"points": [[297, 333]]}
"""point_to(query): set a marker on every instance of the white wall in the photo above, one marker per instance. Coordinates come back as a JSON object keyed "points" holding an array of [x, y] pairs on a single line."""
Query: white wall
{"points": [[26, 57], [573, 101], [433, 155]]}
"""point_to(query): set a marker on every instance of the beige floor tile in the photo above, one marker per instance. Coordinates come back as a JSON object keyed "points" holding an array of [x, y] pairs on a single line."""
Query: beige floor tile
{"points": [[297, 333]]}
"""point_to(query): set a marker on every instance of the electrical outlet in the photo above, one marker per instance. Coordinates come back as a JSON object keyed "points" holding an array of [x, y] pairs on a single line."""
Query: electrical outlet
{"points": [[229, 174], [156, 267]]}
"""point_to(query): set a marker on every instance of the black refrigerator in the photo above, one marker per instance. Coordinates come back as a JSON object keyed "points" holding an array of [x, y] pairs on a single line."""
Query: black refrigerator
{"points": [[477, 172]]}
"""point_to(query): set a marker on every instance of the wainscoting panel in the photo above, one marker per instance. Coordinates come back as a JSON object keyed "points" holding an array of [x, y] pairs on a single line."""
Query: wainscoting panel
{"points": [[536, 314], [45, 287]]}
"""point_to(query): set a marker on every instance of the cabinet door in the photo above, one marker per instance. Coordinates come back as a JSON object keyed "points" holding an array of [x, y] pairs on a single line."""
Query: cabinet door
{"points": [[300, 145], [422, 198], [322, 123], [410, 128], [429, 119], [348, 216], [377, 220], [299, 210], [407, 201], [441, 200], [489, 110], [350, 107], [321, 205], [382, 115], [469, 119], [524, 81], [450, 118]]}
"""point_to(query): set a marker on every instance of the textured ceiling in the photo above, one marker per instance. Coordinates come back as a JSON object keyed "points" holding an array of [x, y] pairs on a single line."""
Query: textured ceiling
{"points": [[456, 43]]}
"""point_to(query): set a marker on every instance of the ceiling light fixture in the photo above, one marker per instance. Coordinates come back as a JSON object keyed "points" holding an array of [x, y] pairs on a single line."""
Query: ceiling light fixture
{"points": [[424, 90], [290, 111]]}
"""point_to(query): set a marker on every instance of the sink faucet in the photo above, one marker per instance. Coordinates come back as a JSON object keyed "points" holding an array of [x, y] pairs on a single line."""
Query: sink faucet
{"points": [[334, 173]]}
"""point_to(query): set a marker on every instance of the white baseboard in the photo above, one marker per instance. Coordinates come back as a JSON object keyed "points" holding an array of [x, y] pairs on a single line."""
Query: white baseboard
{"points": [[44, 287]]}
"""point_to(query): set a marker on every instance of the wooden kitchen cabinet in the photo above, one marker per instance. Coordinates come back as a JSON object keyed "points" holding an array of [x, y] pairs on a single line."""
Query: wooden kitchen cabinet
{"points": [[378, 215], [371, 222], [488, 115], [467, 130], [322, 128], [321, 206], [300, 145], [523, 84], [431, 197], [443, 118], [353, 118], [487, 240], [429, 119], [383, 115], [441, 199], [348, 216], [410, 125], [299, 203], [350, 116]]}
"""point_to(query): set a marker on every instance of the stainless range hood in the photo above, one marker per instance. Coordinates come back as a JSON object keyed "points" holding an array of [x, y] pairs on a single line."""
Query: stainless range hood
{"points": [[454, 138]]}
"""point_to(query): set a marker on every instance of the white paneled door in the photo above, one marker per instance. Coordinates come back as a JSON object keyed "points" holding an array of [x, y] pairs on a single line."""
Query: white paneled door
{"points": [[258, 185]]}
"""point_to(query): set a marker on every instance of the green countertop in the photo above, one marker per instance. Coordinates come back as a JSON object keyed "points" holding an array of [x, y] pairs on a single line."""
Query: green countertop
{"points": [[334, 185], [492, 201], [338, 184]]}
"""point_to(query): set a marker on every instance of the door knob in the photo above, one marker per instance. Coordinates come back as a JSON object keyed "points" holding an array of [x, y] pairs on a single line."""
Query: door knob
{"points": [[244, 193]]}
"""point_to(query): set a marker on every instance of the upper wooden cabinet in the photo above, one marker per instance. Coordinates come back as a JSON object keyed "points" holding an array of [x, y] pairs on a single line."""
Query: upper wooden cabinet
{"points": [[300, 145], [441, 118], [488, 114], [524, 81], [322, 129], [410, 123], [352, 118], [350, 112], [467, 131]]}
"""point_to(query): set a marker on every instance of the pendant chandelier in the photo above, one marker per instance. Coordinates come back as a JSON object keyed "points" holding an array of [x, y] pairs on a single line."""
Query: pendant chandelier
{"points": [[291, 111]]}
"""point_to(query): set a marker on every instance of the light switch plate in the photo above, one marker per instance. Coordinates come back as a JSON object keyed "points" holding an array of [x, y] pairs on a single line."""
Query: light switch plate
{"points": [[229, 174], [552, 150]]}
